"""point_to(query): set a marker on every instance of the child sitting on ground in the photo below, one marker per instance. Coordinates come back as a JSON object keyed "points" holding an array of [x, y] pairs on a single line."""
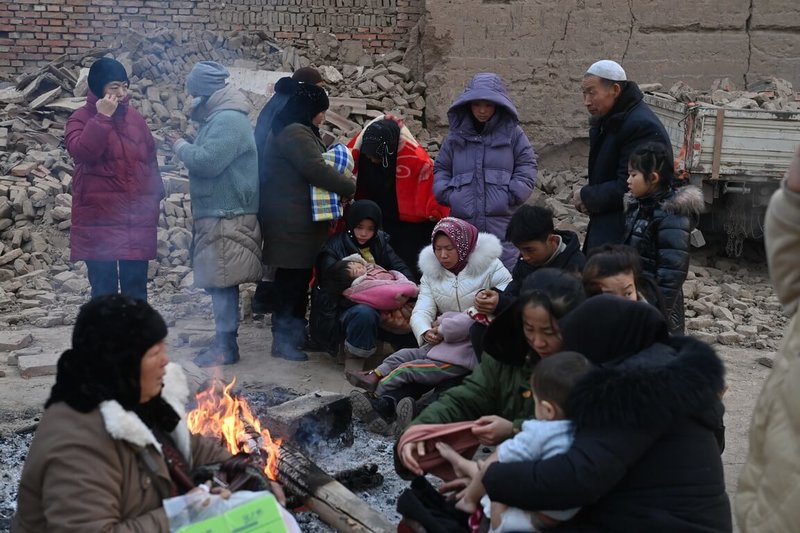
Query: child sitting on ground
{"points": [[367, 283], [428, 366], [550, 434]]}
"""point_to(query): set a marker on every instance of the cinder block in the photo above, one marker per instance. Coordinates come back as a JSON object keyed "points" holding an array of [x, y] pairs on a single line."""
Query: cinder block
{"points": [[43, 364], [311, 419], [14, 340]]}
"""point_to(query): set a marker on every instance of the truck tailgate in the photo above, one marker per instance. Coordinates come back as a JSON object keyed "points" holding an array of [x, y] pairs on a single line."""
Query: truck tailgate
{"points": [[755, 144]]}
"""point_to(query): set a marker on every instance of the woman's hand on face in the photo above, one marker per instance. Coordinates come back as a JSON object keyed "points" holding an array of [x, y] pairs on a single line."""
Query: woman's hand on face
{"points": [[408, 458], [107, 105], [492, 430], [486, 301]]}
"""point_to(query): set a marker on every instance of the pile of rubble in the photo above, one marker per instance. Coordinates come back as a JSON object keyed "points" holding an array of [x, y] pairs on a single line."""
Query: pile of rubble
{"points": [[36, 278], [38, 284], [772, 94]]}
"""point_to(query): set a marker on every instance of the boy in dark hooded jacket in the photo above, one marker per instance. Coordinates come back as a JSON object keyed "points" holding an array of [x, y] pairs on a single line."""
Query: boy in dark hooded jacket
{"points": [[332, 316]]}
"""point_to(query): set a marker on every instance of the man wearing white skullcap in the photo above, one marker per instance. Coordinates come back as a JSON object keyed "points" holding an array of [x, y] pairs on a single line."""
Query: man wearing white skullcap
{"points": [[620, 122]]}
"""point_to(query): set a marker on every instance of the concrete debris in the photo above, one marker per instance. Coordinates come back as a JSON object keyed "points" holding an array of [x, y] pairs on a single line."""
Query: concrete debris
{"points": [[40, 286], [770, 94]]}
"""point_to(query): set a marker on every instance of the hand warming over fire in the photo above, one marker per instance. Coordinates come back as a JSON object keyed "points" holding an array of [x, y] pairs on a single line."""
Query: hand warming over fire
{"points": [[206, 488]]}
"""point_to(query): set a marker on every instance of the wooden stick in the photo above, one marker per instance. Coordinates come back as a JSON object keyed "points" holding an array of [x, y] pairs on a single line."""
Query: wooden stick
{"points": [[329, 499]]}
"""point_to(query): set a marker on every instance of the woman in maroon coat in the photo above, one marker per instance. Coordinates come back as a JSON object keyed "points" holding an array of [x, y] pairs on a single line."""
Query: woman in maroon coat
{"points": [[117, 186]]}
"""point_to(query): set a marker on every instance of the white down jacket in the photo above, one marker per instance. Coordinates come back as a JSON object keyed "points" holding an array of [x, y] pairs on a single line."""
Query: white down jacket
{"points": [[441, 291]]}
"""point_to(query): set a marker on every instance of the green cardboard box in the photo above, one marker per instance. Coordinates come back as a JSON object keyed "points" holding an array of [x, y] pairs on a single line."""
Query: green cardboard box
{"points": [[260, 515]]}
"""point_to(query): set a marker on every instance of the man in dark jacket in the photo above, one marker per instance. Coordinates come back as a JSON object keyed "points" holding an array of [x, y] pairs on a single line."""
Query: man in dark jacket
{"points": [[333, 316], [621, 121]]}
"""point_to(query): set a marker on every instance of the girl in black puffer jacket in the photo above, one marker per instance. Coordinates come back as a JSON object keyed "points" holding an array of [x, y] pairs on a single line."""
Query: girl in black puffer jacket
{"points": [[658, 220]]}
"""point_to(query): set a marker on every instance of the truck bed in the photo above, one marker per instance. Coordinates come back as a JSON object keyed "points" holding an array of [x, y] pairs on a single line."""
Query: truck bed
{"points": [[755, 145]]}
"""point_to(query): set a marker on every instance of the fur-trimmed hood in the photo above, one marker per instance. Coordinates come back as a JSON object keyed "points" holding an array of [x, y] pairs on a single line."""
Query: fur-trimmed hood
{"points": [[127, 426], [681, 378], [487, 249], [684, 201]]}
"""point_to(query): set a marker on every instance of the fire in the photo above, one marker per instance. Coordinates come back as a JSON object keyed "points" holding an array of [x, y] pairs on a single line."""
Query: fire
{"points": [[230, 419]]}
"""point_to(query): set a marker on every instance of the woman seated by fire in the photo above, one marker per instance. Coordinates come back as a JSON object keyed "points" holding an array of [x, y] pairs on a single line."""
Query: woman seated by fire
{"points": [[113, 442]]}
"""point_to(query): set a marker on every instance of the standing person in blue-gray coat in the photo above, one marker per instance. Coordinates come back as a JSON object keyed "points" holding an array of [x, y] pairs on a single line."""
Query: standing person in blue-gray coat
{"points": [[487, 167], [223, 182]]}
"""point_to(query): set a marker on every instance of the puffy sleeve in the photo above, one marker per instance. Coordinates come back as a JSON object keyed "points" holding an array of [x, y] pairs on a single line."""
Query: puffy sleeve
{"points": [[302, 150], [523, 179], [87, 139]]}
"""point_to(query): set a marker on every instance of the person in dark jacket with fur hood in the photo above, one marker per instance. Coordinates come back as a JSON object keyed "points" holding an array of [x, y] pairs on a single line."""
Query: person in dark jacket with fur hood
{"points": [[620, 122], [332, 315], [658, 221], [648, 419]]}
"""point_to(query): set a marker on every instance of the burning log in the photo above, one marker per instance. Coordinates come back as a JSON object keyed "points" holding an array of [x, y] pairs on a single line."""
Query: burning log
{"points": [[332, 501], [224, 415]]}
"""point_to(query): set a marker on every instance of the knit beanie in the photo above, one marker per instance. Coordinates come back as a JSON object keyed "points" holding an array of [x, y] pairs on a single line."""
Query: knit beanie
{"points": [[307, 75], [206, 78], [305, 102], [362, 209], [111, 335], [104, 71]]}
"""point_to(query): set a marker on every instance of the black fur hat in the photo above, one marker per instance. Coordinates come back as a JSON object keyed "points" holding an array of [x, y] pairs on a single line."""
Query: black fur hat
{"points": [[111, 335]]}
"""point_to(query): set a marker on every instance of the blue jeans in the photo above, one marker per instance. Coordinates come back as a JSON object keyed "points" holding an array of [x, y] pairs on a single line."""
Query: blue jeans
{"points": [[225, 303], [361, 332], [111, 277]]}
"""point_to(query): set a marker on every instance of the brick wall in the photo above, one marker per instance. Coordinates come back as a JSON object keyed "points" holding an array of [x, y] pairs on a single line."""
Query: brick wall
{"points": [[34, 32]]}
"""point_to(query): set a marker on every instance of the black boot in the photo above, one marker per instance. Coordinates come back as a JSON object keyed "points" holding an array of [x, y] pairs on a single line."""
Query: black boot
{"points": [[224, 351], [264, 298], [297, 332], [284, 339]]}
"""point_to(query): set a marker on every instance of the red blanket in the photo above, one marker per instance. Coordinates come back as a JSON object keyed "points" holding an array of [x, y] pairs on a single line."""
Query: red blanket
{"points": [[414, 176]]}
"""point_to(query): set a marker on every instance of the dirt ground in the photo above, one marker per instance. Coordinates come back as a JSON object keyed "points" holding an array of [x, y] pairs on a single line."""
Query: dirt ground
{"points": [[21, 400]]}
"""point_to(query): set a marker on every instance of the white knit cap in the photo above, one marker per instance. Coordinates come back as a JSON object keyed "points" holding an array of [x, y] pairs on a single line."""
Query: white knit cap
{"points": [[610, 70]]}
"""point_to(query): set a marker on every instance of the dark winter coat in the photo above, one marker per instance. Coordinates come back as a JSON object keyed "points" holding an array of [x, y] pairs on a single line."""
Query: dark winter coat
{"points": [[117, 187], [484, 177], [658, 227], [571, 260], [294, 157], [326, 307], [612, 140], [645, 455]]}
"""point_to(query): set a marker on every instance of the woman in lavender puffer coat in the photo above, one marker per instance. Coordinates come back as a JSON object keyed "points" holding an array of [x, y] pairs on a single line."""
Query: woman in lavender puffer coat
{"points": [[487, 167]]}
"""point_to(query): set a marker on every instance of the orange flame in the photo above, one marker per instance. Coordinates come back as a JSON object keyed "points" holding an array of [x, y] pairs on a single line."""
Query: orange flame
{"points": [[230, 419]]}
